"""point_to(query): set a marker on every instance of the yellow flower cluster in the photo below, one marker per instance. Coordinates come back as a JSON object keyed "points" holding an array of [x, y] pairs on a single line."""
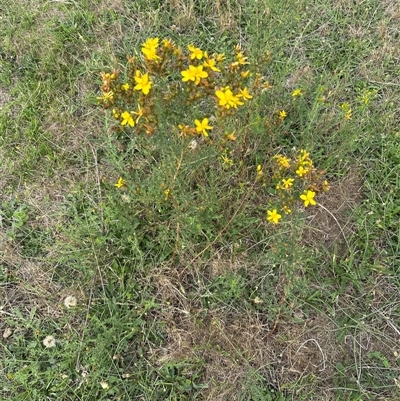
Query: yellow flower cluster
{"points": [[209, 80], [149, 49], [346, 110], [296, 180]]}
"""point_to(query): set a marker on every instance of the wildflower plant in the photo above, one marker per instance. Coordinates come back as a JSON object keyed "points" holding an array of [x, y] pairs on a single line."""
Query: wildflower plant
{"points": [[188, 110]]}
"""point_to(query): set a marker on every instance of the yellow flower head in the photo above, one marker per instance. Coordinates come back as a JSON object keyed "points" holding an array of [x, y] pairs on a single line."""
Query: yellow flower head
{"points": [[138, 113], [244, 94], [226, 161], [166, 193], [273, 216], [195, 52], [282, 161], [231, 137], [115, 114], [259, 171], [227, 99], [241, 59], [149, 49], [297, 92], [287, 183], [301, 171], [308, 198], [143, 82], [127, 119], [210, 63], [120, 183], [282, 115], [202, 126], [106, 97], [150, 43], [194, 74], [125, 87], [168, 44], [347, 110]]}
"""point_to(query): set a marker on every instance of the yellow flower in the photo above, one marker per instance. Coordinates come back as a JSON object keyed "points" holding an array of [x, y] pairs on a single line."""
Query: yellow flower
{"points": [[282, 161], [308, 198], [286, 209], [244, 93], [304, 155], [287, 183], [273, 216], [236, 101], [127, 119], [151, 54], [325, 186], [194, 74], [120, 183], [282, 115], [231, 137], [241, 59], [227, 99], [167, 43], [301, 171], [210, 63], [266, 85], [143, 82], [166, 193], [110, 76], [185, 130], [149, 49], [189, 74], [226, 161], [150, 43], [245, 74], [115, 114], [125, 87], [220, 57], [106, 97], [195, 52], [138, 113], [259, 171], [347, 110], [297, 92], [203, 126]]}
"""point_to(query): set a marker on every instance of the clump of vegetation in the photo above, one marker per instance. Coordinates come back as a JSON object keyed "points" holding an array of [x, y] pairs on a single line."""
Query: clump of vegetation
{"points": [[177, 94], [170, 236]]}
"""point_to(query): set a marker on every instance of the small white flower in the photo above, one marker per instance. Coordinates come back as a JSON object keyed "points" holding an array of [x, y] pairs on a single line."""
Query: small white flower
{"points": [[104, 385], [70, 301], [49, 342], [193, 144], [125, 198]]}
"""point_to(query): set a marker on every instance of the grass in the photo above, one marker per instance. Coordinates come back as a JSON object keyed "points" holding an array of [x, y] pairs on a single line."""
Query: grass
{"points": [[194, 295]]}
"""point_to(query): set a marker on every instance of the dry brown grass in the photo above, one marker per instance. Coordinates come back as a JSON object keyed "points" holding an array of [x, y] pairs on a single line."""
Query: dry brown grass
{"points": [[237, 346], [330, 224]]}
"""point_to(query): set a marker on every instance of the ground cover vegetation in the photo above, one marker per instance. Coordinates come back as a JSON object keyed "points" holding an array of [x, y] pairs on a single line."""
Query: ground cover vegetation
{"points": [[199, 200]]}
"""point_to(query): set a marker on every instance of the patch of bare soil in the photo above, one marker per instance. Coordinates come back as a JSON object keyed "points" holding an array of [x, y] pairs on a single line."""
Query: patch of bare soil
{"points": [[237, 347], [330, 224], [4, 97]]}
